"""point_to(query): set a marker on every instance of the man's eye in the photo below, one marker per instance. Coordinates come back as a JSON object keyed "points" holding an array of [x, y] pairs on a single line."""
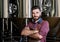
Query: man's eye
{"points": [[33, 13], [37, 12]]}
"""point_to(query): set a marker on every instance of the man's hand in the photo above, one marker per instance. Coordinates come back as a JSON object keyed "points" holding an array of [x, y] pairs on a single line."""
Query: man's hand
{"points": [[36, 36]]}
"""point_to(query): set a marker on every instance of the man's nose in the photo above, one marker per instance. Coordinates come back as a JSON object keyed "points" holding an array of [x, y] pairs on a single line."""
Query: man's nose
{"points": [[35, 13]]}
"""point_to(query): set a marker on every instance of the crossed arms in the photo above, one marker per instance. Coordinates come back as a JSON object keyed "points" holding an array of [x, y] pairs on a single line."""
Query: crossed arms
{"points": [[31, 33]]}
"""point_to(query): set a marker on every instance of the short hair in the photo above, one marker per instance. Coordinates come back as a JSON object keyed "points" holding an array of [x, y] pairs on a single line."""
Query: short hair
{"points": [[35, 7]]}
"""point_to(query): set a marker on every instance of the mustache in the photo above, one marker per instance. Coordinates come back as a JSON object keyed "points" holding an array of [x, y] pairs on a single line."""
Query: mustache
{"points": [[35, 16]]}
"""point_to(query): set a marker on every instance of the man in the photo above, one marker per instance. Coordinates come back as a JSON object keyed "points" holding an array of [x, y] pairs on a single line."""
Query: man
{"points": [[37, 28]]}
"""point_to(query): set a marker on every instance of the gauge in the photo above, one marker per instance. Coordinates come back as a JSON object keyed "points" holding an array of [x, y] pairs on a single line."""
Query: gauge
{"points": [[12, 8]]}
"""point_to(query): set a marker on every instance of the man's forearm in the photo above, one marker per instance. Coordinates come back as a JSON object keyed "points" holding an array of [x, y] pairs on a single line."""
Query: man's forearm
{"points": [[36, 36], [27, 32]]}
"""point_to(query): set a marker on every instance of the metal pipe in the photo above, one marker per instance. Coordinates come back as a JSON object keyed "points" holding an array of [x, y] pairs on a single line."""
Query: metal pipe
{"points": [[5, 8], [7, 23], [40, 4], [29, 9], [11, 31], [26, 11], [57, 6], [3, 30], [24, 8]]}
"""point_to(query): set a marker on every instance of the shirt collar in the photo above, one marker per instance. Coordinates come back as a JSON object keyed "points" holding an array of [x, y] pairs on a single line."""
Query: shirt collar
{"points": [[38, 21]]}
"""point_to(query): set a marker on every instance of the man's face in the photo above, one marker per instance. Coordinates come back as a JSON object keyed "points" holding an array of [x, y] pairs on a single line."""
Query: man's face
{"points": [[36, 14]]}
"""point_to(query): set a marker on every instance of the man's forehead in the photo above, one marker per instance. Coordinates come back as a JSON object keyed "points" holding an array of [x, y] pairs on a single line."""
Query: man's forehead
{"points": [[36, 10]]}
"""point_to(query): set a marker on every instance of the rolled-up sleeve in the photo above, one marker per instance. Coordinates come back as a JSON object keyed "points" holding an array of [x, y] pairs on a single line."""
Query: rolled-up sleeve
{"points": [[44, 28]]}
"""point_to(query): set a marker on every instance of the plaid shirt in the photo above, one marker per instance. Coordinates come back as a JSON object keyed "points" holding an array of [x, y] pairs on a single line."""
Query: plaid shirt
{"points": [[43, 28]]}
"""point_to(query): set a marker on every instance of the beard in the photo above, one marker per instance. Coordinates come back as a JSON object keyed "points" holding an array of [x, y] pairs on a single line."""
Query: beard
{"points": [[36, 17]]}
